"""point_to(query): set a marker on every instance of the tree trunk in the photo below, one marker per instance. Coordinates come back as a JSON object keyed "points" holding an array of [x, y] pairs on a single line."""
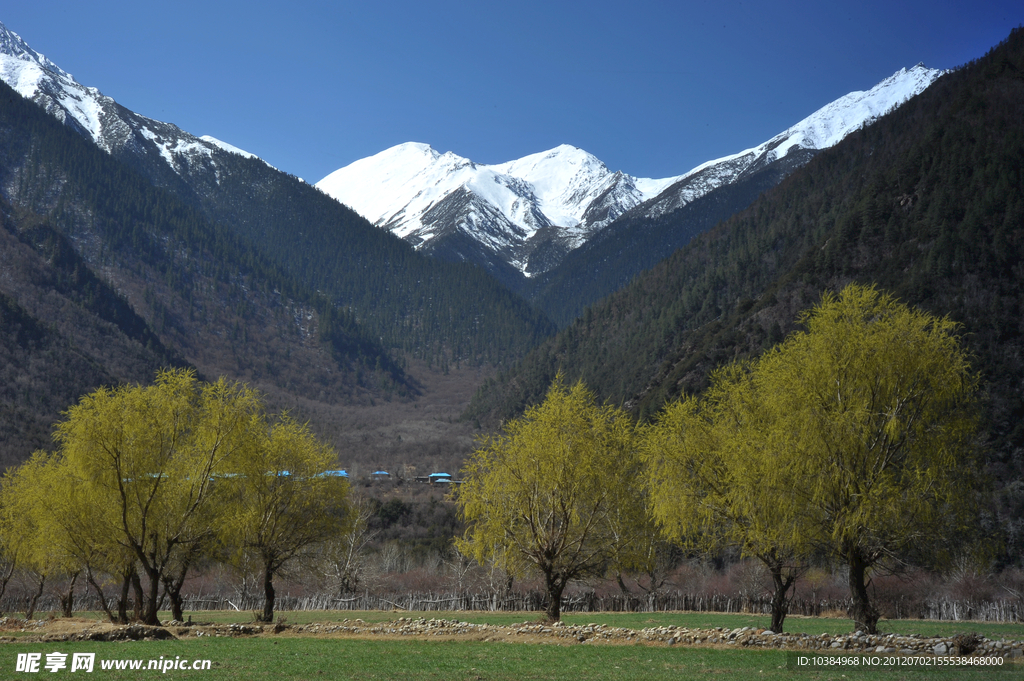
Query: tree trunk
{"points": [[349, 580], [35, 598], [268, 593], [67, 601], [91, 579], [865, 617], [622, 584], [175, 583], [139, 596], [555, 587], [780, 601], [122, 600], [173, 591], [149, 614], [6, 577], [172, 587]]}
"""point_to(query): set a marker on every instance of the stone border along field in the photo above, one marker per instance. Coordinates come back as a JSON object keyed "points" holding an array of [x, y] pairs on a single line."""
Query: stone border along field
{"points": [[526, 632]]}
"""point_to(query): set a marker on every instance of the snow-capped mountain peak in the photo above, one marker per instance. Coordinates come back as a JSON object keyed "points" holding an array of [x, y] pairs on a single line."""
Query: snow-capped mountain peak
{"points": [[828, 125], [551, 202], [35, 77], [112, 127], [557, 196], [11, 45]]}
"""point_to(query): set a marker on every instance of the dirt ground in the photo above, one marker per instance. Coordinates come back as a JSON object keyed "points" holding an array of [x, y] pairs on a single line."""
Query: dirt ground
{"points": [[85, 629]]}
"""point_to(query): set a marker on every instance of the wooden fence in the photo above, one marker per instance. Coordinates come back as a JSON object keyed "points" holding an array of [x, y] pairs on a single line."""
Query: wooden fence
{"points": [[1006, 610]]}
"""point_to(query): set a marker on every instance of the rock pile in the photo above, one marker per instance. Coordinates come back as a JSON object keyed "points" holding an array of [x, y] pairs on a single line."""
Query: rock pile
{"points": [[131, 632], [858, 642]]}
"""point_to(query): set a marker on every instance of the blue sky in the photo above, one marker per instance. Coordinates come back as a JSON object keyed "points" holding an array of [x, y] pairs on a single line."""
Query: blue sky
{"points": [[650, 88]]}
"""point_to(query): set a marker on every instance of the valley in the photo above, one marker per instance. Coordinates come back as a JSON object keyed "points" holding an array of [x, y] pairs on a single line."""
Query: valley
{"points": [[415, 300]]}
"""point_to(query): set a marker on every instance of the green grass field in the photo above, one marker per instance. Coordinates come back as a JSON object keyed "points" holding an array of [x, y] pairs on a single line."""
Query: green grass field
{"points": [[278, 659], [282, 658]]}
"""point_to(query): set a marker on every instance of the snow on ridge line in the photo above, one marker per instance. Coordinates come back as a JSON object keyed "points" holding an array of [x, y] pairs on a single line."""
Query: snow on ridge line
{"points": [[230, 148], [833, 122], [397, 183], [12, 44], [798, 134], [26, 77], [37, 78]]}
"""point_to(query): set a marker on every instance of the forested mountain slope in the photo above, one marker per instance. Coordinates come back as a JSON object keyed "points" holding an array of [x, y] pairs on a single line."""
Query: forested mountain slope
{"points": [[437, 311], [638, 240], [422, 307], [62, 332], [105, 279], [927, 203]]}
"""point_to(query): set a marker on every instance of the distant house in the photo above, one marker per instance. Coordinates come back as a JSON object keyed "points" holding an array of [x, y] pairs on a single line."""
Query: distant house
{"points": [[439, 478], [380, 475], [335, 474]]}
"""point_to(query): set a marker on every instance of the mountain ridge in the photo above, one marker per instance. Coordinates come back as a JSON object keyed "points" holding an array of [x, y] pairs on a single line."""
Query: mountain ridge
{"points": [[412, 303], [531, 212], [111, 126]]}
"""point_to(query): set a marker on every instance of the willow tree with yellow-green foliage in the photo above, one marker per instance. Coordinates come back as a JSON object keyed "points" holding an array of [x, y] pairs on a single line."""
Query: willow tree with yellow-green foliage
{"points": [[150, 453], [61, 526], [28, 526], [853, 438], [278, 502], [878, 401], [558, 494], [719, 477], [156, 478]]}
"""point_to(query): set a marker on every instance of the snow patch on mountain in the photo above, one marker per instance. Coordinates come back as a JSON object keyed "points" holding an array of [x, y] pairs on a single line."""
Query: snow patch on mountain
{"points": [[35, 77], [109, 125], [177, 147], [230, 148]]}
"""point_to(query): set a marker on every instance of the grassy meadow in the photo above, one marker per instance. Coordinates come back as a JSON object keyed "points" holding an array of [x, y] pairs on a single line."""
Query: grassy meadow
{"points": [[284, 657]]}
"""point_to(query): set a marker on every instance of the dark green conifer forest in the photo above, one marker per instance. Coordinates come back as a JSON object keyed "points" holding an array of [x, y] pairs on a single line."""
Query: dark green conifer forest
{"points": [[108, 278], [441, 312]]}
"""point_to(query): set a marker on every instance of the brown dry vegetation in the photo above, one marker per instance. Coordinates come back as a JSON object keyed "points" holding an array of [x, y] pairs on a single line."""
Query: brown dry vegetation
{"points": [[407, 437]]}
